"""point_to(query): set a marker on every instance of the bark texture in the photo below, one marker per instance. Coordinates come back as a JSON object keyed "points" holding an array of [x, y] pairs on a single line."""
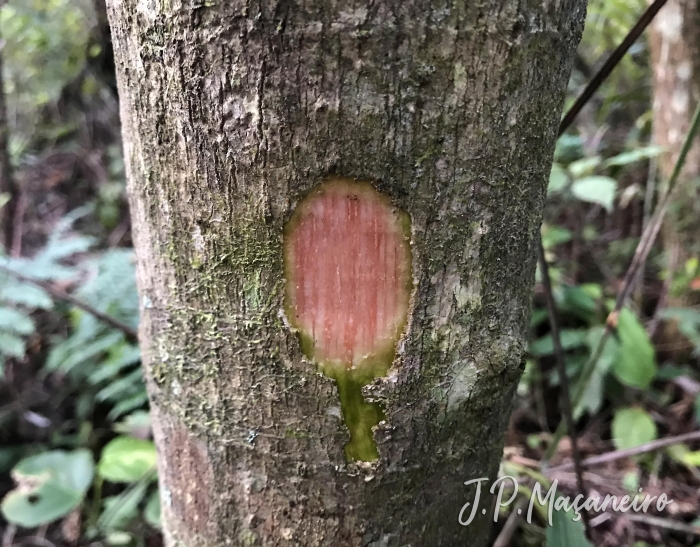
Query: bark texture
{"points": [[675, 56], [232, 111]]}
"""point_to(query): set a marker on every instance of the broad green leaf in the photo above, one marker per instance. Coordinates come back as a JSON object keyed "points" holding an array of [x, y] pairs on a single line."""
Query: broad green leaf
{"points": [[558, 179], [569, 148], [632, 427], [636, 362], [632, 156], [565, 532], [127, 459], [584, 166], [570, 339], [581, 300], [596, 189], [72, 469], [49, 486], [47, 503]]}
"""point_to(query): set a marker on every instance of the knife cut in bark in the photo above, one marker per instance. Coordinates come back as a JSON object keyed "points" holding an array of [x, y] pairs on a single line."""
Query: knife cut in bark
{"points": [[348, 272]]}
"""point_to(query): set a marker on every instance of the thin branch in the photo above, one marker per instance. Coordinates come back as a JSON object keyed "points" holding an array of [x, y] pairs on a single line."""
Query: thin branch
{"points": [[629, 452], [664, 523], [610, 64], [511, 525], [566, 409], [60, 294]]}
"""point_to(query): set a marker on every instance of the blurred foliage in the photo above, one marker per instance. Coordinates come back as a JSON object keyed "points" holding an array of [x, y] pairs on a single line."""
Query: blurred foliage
{"points": [[45, 49], [18, 299], [101, 363], [607, 23]]}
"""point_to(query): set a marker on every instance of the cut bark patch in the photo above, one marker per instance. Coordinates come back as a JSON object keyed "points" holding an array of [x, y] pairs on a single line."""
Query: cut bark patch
{"points": [[347, 258]]}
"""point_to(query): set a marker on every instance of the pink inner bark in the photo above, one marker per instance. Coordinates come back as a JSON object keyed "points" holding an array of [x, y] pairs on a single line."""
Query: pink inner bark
{"points": [[346, 261]]}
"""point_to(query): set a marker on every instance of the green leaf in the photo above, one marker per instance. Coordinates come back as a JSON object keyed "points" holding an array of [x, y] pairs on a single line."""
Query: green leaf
{"points": [[636, 363], [688, 321], [697, 409], [565, 532], [569, 148], [126, 459], [570, 339], [691, 458], [596, 189], [558, 179], [50, 485], [554, 235], [136, 422], [581, 300], [632, 427], [584, 166], [121, 356], [632, 156]]}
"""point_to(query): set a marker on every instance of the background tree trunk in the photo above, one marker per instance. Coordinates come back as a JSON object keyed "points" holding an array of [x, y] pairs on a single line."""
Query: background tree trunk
{"points": [[231, 112], [675, 56]]}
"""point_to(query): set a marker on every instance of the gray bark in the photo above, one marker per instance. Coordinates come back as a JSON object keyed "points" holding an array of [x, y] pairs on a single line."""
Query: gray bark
{"points": [[231, 112]]}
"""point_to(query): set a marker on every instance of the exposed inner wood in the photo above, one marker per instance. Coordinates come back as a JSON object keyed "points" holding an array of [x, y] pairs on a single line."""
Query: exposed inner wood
{"points": [[348, 287], [348, 266]]}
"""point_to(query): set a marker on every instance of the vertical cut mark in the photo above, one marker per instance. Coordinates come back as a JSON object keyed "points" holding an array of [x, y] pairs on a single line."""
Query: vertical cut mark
{"points": [[347, 259]]}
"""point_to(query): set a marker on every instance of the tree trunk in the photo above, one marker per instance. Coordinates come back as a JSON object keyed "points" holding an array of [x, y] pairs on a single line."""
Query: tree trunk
{"points": [[8, 189], [675, 57], [232, 113]]}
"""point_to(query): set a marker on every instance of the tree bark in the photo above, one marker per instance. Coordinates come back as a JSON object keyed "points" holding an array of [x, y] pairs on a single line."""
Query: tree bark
{"points": [[232, 112], [8, 188], [675, 59]]}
